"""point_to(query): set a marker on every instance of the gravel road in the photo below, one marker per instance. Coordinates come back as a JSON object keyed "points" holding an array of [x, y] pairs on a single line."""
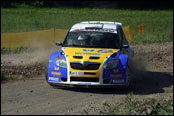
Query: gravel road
{"points": [[31, 94]]}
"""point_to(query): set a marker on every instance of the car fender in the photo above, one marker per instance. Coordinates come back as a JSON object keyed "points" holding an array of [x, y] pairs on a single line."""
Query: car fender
{"points": [[55, 71], [53, 57], [123, 59]]}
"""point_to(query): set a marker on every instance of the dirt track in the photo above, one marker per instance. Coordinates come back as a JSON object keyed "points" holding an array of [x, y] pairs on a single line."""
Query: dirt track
{"points": [[32, 95]]}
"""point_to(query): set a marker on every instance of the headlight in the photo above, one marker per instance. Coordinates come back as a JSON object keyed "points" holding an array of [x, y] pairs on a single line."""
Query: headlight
{"points": [[111, 64], [61, 62]]}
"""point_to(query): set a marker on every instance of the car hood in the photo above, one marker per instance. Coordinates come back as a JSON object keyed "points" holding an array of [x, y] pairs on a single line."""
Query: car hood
{"points": [[88, 54]]}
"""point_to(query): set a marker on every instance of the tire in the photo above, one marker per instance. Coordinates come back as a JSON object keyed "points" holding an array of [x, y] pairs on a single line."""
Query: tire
{"points": [[46, 75], [128, 76], [46, 72]]}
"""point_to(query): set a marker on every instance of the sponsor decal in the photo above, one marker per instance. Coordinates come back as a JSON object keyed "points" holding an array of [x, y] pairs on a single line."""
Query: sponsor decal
{"points": [[115, 70], [104, 51], [79, 53], [97, 29], [53, 79], [116, 75], [56, 73], [85, 50], [118, 81], [56, 68]]}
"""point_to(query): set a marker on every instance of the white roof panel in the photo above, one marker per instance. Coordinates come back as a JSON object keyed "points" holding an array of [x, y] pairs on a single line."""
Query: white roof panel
{"points": [[96, 25], [108, 22]]}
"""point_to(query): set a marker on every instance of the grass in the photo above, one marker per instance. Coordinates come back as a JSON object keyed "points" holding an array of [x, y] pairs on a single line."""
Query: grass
{"points": [[132, 106], [5, 77], [158, 24], [15, 50]]}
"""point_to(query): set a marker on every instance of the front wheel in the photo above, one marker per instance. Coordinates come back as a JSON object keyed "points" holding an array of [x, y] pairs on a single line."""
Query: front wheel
{"points": [[128, 76], [46, 75]]}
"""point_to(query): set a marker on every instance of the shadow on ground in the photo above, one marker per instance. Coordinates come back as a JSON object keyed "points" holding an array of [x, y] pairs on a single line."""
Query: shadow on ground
{"points": [[144, 82]]}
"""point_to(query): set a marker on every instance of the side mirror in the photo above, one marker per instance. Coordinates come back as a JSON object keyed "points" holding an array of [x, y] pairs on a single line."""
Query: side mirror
{"points": [[125, 46], [58, 43]]}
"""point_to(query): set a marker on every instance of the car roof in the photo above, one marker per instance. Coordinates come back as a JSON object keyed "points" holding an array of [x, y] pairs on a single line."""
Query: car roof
{"points": [[108, 26]]}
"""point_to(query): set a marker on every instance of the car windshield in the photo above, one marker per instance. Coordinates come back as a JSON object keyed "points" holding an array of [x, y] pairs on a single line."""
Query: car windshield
{"points": [[92, 39]]}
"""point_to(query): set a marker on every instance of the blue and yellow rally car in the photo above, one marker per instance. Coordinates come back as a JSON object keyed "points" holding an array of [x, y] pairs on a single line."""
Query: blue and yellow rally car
{"points": [[94, 53]]}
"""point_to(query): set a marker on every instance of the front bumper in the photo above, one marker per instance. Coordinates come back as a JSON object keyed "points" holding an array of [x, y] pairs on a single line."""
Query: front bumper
{"points": [[90, 78], [102, 81], [86, 85]]}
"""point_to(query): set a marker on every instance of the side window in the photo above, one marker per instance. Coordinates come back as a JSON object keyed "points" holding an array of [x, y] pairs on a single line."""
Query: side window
{"points": [[122, 37]]}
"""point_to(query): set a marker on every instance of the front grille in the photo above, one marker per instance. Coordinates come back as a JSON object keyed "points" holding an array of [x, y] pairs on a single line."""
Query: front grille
{"points": [[79, 66], [92, 57], [84, 79], [89, 73]]}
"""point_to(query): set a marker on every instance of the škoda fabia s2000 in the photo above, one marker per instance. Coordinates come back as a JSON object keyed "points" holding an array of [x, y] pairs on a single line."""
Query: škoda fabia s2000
{"points": [[93, 54]]}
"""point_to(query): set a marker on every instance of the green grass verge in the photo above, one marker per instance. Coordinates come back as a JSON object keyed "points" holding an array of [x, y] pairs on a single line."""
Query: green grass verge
{"points": [[5, 77], [132, 106], [15, 50], [158, 24]]}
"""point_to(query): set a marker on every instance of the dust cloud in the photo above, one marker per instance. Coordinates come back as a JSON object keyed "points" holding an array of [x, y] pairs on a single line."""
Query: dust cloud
{"points": [[30, 57], [137, 68]]}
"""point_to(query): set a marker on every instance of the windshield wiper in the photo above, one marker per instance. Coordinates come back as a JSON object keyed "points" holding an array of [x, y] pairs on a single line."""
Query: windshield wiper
{"points": [[88, 46], [73, 45], [95, 46]]}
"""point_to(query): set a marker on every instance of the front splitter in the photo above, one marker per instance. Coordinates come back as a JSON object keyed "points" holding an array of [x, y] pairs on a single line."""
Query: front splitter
{"points": [[86, 85]]}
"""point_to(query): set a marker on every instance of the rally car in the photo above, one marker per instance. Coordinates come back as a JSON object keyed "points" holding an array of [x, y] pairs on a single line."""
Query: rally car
{"points": [[93, 54]]}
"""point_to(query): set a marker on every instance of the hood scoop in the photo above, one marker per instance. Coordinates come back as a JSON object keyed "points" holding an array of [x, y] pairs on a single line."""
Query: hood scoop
{"points": [[78, 57], [81, 57]]}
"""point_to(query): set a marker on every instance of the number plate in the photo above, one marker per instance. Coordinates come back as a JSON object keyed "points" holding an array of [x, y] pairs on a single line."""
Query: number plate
{"points": [[76, 73]]}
